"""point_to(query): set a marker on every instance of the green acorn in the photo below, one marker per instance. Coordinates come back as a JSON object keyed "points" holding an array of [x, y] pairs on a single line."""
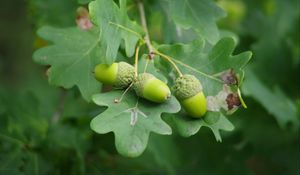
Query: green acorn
{"points": [[120, 75], [149, 87], [188, 91]]}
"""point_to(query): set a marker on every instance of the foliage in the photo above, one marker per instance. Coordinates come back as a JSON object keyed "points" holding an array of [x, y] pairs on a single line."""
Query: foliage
{"points": [[101, 44], [143, 117], [201, 16], [69, 68], [62, 130]]}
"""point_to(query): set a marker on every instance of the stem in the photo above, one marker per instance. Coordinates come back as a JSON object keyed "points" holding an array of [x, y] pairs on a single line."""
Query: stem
{"points": [[136, 60], [170, 60], [147, 38], [121, 98], [153, 51], [145, 27], [241, 99]]}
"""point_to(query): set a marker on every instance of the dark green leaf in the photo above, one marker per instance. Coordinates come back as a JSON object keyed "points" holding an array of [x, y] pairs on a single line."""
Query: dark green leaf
{"points": [[193, 59], [275, 101], [201, 15], [216, 121], [84, 1]]}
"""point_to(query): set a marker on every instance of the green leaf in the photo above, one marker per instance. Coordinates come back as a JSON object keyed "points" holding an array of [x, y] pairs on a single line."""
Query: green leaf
{"points": [[187, 126], [275, 101], [72, 58], [165, 153], [131, 120], [54, 12], [201, 15], [206, 66], [115, 26], [84, 1]]}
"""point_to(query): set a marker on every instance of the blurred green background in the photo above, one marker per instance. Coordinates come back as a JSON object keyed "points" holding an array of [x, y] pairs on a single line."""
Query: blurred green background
{"points": [[265, 141]]}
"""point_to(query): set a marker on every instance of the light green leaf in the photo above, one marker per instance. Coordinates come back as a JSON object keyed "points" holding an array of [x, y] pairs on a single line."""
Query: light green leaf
{"points": [[115, 26], [72, 58], [216, 121], [201, 15], [275, 101], [131, 120]]}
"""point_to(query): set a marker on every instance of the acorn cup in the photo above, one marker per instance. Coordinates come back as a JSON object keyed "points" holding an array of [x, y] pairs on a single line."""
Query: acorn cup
{"points": [[119, 75], [188, 91], [149, 87]]}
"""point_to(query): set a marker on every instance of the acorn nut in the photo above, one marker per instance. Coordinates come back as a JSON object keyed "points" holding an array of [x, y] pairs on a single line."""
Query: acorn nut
{"points": [[188, 91], [120, 75], [149, 87]]}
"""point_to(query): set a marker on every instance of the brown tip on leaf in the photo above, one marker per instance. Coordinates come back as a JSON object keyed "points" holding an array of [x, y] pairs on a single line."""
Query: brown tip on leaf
{"points": [[229, 77], [232, 101]]}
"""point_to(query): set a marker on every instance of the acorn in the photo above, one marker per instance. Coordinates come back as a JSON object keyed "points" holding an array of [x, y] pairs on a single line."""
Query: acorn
{"points": [[188, 91], [120, 75], [149, 87]]}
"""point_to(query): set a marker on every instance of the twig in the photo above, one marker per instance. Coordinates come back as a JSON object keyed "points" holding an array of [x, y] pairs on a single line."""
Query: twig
{"points": [[153, 51], [147, 38], [60, 107], [145, 27], [137, 50]]}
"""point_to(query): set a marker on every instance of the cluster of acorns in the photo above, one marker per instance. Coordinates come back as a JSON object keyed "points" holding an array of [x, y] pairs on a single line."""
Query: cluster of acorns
{"points": [[187, 88]]}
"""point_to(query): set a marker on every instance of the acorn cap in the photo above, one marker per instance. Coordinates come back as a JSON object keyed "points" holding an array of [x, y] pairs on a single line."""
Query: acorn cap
{"points": [[125, 75], [186, 86], [140, 80]]}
